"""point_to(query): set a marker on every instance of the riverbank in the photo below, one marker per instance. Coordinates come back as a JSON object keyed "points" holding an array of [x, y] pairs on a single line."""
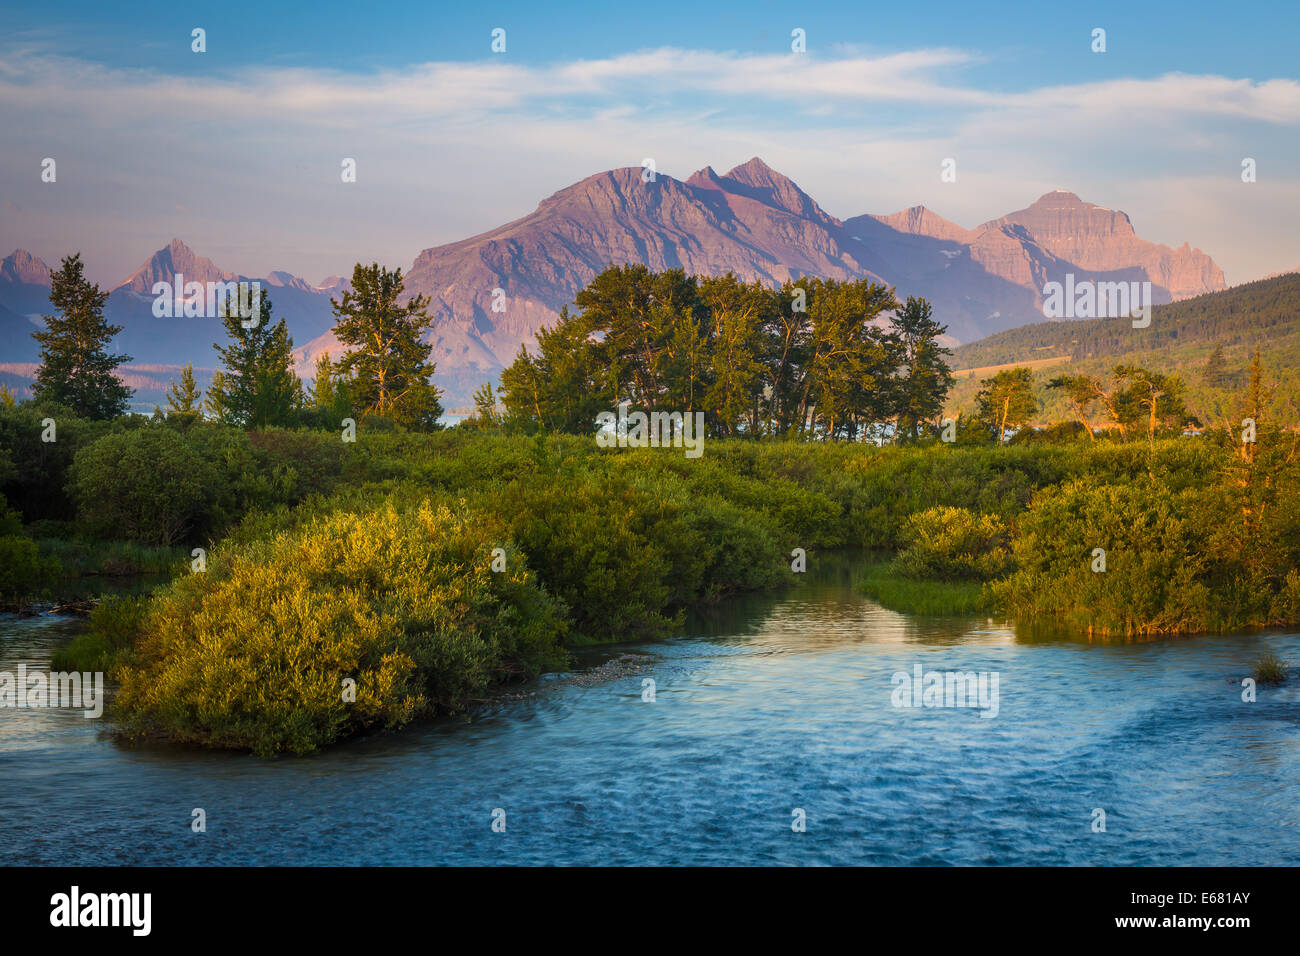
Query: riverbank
{"points": [[347, 588]]}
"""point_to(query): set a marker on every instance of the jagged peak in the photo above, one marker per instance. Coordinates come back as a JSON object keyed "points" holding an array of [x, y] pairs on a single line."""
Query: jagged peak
{"points": [[755, 172], [21, 266], [704, 177], [175, 256]]}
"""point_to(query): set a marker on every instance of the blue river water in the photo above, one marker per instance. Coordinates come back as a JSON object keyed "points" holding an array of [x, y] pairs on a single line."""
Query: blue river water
{"points": [[764, 706]]}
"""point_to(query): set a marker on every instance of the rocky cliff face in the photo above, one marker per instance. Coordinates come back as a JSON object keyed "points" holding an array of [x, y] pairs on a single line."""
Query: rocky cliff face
{"points": [[1098, 239], [21, 266], [24, 284]]}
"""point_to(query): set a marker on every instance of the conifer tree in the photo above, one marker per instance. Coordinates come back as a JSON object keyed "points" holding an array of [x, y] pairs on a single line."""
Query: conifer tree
{"points": [[387, 361], [76, 368], [258, 388], [184, 398]]}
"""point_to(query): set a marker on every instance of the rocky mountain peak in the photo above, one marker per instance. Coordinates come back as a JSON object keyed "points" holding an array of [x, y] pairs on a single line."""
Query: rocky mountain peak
{"points": [[23, 267], [173, 259]]}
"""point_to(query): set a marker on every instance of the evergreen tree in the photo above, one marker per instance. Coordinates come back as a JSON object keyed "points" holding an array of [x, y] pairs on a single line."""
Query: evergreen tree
{"points": [[485, 405], [923, 387], [388, 361], [217, 402], [258, 388], [184, 398], [76, 368], [324, 389], [1215, 373], [330, 399]]}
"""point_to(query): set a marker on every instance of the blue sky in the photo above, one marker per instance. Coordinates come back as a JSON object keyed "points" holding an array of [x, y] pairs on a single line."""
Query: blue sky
{"points": [[237, 150], [1029, 43]]}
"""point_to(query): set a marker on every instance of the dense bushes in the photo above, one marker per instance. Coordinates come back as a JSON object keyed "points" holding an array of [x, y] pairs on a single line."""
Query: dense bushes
{"points": [[888, 487], [1196, 537], [115, 625], [342, 562], [953, 544], [148, 486], [24, 573], [34, 485], [1154, 561], [157, 484], [254, 652]]}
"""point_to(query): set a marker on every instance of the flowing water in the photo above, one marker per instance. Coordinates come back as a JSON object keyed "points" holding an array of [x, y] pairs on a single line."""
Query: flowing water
{"points": [[762, 707]]}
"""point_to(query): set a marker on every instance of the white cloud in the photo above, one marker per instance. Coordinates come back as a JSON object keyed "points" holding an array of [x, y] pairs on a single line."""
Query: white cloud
{"points": [[449, 149]]}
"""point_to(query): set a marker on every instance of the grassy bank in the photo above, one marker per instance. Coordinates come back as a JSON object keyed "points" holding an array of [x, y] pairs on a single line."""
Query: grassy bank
{"points": [[924, 597]]}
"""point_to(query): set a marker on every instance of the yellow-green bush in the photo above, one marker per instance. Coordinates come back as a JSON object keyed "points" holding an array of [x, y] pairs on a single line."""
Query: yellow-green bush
{"points": [[254, 652], [953, 544]]}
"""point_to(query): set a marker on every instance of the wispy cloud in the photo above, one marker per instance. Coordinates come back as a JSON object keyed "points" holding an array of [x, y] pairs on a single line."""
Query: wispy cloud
{"points": [[245, 165]]}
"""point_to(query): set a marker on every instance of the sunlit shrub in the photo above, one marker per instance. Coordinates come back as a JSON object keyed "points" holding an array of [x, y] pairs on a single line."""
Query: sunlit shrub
{"points": [[254, 652], [953, 544]]}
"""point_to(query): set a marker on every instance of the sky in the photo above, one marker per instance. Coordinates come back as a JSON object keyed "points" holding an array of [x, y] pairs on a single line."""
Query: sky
{"points": [[238, 150]]}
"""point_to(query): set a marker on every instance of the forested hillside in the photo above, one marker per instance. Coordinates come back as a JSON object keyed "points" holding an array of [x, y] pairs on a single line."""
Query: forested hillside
{"points": [[1208, 341]]}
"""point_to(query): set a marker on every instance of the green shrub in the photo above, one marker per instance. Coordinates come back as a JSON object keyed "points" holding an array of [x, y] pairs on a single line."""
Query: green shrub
{"points": [[586, 538], [114, 627], [1269, 668], [24, 573], [253, 653], [148, 485], [1154, 561], [953, 544]]}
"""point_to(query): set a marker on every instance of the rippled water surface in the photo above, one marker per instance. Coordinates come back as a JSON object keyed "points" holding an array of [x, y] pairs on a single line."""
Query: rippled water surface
{"points": [[764, 705]]}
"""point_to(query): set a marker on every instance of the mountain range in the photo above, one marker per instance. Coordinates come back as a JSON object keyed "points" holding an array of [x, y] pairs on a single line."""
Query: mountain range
{"points": [[752, 221]]}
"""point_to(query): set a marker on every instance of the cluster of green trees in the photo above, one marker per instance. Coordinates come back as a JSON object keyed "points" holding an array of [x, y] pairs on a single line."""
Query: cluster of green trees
{"points": [[384, 372], [813, 358], [1134, 401]]}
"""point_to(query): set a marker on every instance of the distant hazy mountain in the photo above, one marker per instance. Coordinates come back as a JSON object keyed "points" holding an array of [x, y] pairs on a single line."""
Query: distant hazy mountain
{"points": [[752, 221], [159, 347]]}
